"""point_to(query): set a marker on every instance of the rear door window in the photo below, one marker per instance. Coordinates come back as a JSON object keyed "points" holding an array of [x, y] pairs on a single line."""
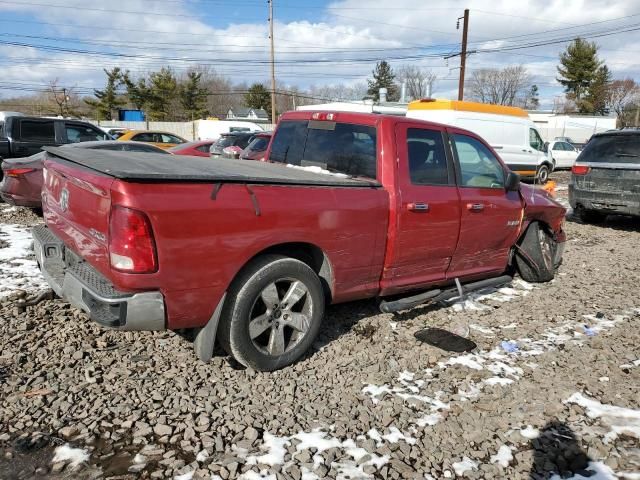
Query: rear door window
{"points": [[82, 133], [612, 149], [143, 137], [338, 147], [204, 148], [427, 157], [37, 131]]}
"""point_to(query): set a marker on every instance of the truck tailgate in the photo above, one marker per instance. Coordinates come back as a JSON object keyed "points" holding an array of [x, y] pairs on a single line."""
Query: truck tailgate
{"points": [[76, 204]]}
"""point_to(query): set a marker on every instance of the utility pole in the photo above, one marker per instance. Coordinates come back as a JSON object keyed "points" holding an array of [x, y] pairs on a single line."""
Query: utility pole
{"points": [[463, 53], [273, 66]]}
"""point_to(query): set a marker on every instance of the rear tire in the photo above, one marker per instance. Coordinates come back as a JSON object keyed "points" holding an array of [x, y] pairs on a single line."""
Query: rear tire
{"points": [[273, 313], [543, 174], [535, 255], [591, 216]]}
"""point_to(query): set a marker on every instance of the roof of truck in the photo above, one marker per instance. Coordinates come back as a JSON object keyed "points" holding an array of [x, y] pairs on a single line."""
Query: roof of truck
{"points": [[464, 106], [157, 167]]}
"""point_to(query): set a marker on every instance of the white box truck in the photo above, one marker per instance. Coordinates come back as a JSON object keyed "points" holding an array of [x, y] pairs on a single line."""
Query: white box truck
{"points": [[509, 130]]}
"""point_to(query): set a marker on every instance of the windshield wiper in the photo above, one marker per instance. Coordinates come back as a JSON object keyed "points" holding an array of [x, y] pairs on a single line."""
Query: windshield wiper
{"points": [[627, 155]]}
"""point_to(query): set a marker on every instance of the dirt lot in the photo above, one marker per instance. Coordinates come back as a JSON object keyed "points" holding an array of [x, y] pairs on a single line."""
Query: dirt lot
{"points": [[559, 397]]}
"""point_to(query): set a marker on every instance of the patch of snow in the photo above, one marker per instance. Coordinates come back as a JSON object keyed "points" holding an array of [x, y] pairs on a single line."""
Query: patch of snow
{"points": [[464, 466], [66, 453], [503, 457], [315, 439], [263, 475], [275, 450], [315, 169], [498, 381], [620, 420], [18, 268], [429, 419], [202, 456], [374, 435], [139, 458], [530, 432], [184, 476], [469, 360], [395, 435], [393, 325]]}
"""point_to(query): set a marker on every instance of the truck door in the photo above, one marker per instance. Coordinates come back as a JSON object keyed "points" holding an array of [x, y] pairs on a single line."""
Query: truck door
{"points": [[490, 216], [32, 134], [427, 219]]}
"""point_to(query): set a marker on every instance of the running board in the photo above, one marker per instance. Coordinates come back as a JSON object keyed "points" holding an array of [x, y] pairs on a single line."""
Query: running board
{"points": [[437, 295]]}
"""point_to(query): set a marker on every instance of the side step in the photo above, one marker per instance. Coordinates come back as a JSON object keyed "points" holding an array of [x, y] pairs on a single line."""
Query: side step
{"points": [[437, 295]]}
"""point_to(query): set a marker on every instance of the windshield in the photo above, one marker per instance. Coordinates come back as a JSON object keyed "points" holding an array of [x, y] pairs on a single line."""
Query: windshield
{"points": [[258, 144], [612, 149], [225, 141]]}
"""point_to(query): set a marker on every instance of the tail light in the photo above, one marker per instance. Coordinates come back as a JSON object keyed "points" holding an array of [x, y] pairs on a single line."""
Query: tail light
{"points": [[580, 169], [132, 248], [16, 172], [323, 116]]}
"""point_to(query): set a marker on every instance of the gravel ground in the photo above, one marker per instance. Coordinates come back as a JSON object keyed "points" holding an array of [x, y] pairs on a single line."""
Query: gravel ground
{"points": [[559, 397]]}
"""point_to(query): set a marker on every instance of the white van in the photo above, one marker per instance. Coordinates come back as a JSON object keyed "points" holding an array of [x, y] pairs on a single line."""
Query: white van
{"points": [[509, 130], [212, 129]]}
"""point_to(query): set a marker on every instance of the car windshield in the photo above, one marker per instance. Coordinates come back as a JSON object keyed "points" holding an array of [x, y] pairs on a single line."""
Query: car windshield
{"points": [[225, 141], [258, 144], [612, 149]]}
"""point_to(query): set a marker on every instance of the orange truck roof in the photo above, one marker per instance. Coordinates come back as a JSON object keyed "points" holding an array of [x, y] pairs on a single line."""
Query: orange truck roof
{"points": [[464, 106]]}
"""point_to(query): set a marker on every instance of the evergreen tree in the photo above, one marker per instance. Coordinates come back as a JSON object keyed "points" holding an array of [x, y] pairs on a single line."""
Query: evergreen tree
{"points": [[162, 90], [193, 97], [598, 94], [533, 102], [578, 68], [137, 91], [383, 77], [258, 97], [108, 99]]}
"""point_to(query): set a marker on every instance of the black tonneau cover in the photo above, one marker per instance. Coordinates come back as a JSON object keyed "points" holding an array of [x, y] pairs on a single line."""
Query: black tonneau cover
{"points": [[157, 167]]}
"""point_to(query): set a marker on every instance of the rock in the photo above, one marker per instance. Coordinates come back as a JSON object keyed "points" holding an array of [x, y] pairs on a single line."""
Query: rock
{"points": [[162, 430]]}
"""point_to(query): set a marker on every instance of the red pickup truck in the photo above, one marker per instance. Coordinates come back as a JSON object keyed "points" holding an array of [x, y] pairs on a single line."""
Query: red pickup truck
{"points": [[348, 206]]}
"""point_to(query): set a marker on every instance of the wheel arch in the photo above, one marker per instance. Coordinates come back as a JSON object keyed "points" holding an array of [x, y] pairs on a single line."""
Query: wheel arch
{"points": [[307, 253]]}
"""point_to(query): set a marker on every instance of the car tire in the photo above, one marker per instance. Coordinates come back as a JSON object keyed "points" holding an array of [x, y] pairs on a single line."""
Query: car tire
{"points": [[543, 174], [591, 216], [535, 255], [273, 313]]}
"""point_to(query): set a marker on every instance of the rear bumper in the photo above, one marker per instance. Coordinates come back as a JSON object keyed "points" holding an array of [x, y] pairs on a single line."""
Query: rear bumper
{"points": [[84, 287], [605, 202], [20, 200]]}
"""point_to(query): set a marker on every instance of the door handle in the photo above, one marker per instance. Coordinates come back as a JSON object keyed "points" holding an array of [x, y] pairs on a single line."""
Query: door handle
{"points": [[418, 207], [528, 151], [475, 207]]}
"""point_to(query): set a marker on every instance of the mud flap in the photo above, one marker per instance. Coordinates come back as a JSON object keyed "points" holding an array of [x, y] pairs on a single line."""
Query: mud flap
{"points": [[205, 337]]}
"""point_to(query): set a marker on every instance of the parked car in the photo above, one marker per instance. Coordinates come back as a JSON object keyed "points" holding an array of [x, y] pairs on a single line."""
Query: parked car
{"points": [[22, 182], [250, 252], [606, 175], [234, 139], [509, 130], [562, 154], [199, 148], [159, 139], [22, 136], [257, 148]]}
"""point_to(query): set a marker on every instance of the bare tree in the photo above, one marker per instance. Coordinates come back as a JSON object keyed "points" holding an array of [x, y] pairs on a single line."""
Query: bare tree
{"points": [[419, 81], [509, 86], [623, 96]]}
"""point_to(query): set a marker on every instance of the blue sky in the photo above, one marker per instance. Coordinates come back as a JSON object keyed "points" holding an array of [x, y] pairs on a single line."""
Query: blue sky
{"points": [[317, 42]]}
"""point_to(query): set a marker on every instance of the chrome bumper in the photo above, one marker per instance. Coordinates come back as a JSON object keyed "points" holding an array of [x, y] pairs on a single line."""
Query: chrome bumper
{"points": [[84, 287]]}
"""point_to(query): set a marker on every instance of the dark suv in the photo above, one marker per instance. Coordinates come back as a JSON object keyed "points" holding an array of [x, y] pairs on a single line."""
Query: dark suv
{"points": [[606, 176], [22, 136]]}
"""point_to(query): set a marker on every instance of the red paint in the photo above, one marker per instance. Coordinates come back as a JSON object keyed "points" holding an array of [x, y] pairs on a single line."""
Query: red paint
{"points": [[375, 240], [199, 148]]}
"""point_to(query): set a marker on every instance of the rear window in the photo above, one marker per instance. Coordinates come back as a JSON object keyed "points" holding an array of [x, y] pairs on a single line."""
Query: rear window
{"points": [[337, 147], [612, 149], [259, 144], [33, 130]]}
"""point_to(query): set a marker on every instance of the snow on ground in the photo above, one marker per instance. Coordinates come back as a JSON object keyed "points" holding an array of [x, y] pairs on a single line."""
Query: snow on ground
{"points": [[503, 457], [620, 420], [18, 268], [74, 456]]}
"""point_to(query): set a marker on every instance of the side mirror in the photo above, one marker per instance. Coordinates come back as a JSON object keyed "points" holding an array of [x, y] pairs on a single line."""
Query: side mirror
{"points": [[512, 183]]}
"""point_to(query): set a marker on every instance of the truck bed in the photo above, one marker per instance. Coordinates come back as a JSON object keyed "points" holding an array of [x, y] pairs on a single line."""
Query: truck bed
{"points": [[155, 167]]}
